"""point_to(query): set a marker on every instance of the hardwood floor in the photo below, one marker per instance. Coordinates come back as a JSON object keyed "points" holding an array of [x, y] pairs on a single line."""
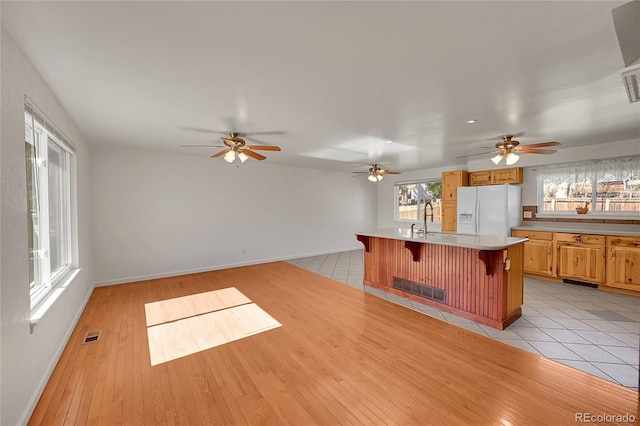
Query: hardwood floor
{"points": [[341, 356]]}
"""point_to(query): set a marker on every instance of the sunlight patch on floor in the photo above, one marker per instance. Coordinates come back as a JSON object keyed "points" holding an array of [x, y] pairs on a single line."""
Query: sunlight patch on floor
{"points": [[192, 305], [187, 325]]}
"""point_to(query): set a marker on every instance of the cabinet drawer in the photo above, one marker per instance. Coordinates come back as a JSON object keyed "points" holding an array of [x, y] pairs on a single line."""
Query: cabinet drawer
{"points": [[580, 238], [533, 235], [624, 241]]}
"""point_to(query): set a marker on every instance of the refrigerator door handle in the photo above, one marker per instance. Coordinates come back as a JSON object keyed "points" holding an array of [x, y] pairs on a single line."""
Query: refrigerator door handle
{"points": [[477, 211]]}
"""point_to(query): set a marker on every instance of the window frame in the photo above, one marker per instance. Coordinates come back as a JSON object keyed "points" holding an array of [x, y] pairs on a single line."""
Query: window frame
{"points": [[42, 289], [585, 170], [396, 196]]}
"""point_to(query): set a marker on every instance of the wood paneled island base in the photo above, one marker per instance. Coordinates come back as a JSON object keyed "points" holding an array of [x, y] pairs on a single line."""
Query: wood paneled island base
{"points": [[484, 284]]}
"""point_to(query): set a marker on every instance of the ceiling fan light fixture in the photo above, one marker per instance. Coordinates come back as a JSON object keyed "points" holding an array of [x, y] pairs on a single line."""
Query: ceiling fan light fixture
{"points": [[242, 156], [511, 158], [372, 178], [379, 177], [230, 156], [495, 160]]}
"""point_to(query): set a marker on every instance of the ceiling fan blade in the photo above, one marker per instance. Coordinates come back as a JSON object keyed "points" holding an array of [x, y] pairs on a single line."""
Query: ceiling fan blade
{"points": [[277, 132], [388, 172], [202, 146], [526, 150], [542, 144], [472, 155], [361, 173], [265, 147], [197, 129], [221, 153], [253, 154]]}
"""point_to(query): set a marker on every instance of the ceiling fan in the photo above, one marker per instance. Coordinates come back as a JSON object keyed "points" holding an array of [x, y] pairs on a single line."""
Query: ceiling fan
{"points": [[235, 146], [508, 148], [376, 173]]}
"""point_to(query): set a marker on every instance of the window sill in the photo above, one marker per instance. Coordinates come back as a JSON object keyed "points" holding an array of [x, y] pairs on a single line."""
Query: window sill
{"points": [[589, 215], [43, 306]]}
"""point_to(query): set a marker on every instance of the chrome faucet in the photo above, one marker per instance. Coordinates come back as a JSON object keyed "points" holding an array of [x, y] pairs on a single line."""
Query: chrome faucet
{"points": [[428, 203], [412, 226]]}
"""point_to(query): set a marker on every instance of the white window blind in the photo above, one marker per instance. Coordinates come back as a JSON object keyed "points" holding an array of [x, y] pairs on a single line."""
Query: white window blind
{"points": [[608, 186], [49, 160]]}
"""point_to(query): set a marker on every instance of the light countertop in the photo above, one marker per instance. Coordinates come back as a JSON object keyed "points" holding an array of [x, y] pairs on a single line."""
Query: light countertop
{"points": [[581, 228], [477, 242]]}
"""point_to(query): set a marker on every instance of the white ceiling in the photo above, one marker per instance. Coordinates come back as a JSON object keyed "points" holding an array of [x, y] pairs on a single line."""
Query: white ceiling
{"points": [[340, 78]]}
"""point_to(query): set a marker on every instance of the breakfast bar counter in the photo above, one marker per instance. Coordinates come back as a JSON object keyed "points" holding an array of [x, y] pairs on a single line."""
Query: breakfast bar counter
{"points": [[478, 277]]}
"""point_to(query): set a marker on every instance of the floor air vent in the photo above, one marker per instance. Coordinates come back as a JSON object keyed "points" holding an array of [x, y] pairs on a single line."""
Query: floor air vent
{"points": [[426, 291], [92, 336]]}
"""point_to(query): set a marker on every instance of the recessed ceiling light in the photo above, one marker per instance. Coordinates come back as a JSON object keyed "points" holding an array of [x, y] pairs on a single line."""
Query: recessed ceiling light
{"points": [[389, 141], [471, 121]]}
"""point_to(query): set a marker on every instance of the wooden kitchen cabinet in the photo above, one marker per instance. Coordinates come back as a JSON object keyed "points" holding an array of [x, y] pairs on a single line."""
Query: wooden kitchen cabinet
{"points": [[449, 216], [512, 175], [450, 183], [538, 252], [581, 257], [623, 263], [480, 178], [496, 177]]}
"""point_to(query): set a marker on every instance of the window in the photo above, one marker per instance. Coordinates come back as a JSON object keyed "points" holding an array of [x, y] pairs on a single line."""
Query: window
{"points": [[49, 162], [411, 199], [610, 187]]}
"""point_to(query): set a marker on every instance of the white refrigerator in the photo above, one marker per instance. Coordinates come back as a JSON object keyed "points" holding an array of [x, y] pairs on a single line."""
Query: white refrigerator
{"points": [[489, 210]]}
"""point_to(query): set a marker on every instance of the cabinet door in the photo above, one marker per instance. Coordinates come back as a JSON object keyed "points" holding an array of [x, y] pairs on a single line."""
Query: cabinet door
{"points": [[450, 183], [480, 178], [512, 175], [581, 262], [449, 217], [623, 267], [538, 257]]}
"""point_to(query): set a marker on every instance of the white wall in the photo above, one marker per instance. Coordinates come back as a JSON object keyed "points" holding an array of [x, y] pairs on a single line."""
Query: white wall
{"points": [[386, 195], [158, 214], [28, 359]]}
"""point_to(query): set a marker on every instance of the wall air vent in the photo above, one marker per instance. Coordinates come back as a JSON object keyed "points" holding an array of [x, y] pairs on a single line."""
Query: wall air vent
{"points": [[632, 83], [426, 291]]}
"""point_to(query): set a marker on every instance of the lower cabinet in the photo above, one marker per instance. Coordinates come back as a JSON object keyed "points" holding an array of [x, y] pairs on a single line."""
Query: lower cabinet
{"points": [[581, 257], [623, 263], [538, 252], [581, 262], [609, 261]]}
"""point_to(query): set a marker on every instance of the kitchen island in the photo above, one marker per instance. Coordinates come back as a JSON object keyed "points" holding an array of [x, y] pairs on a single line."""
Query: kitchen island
{"points": [[478, 277]]}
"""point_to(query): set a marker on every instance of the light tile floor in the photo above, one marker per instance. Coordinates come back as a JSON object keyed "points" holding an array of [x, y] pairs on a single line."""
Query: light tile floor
{"points": [[585, 328]]}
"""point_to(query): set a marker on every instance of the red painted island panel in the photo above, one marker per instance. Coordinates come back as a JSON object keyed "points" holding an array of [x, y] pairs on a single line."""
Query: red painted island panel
{"points": [[476, 283]]}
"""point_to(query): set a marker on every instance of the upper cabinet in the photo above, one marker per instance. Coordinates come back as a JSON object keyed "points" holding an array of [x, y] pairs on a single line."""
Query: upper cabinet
{"points": [[450, 183], [496, 177]]}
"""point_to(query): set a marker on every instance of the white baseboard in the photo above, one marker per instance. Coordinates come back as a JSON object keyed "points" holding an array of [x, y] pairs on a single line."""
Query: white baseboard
{"points": [[217, 267]]}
